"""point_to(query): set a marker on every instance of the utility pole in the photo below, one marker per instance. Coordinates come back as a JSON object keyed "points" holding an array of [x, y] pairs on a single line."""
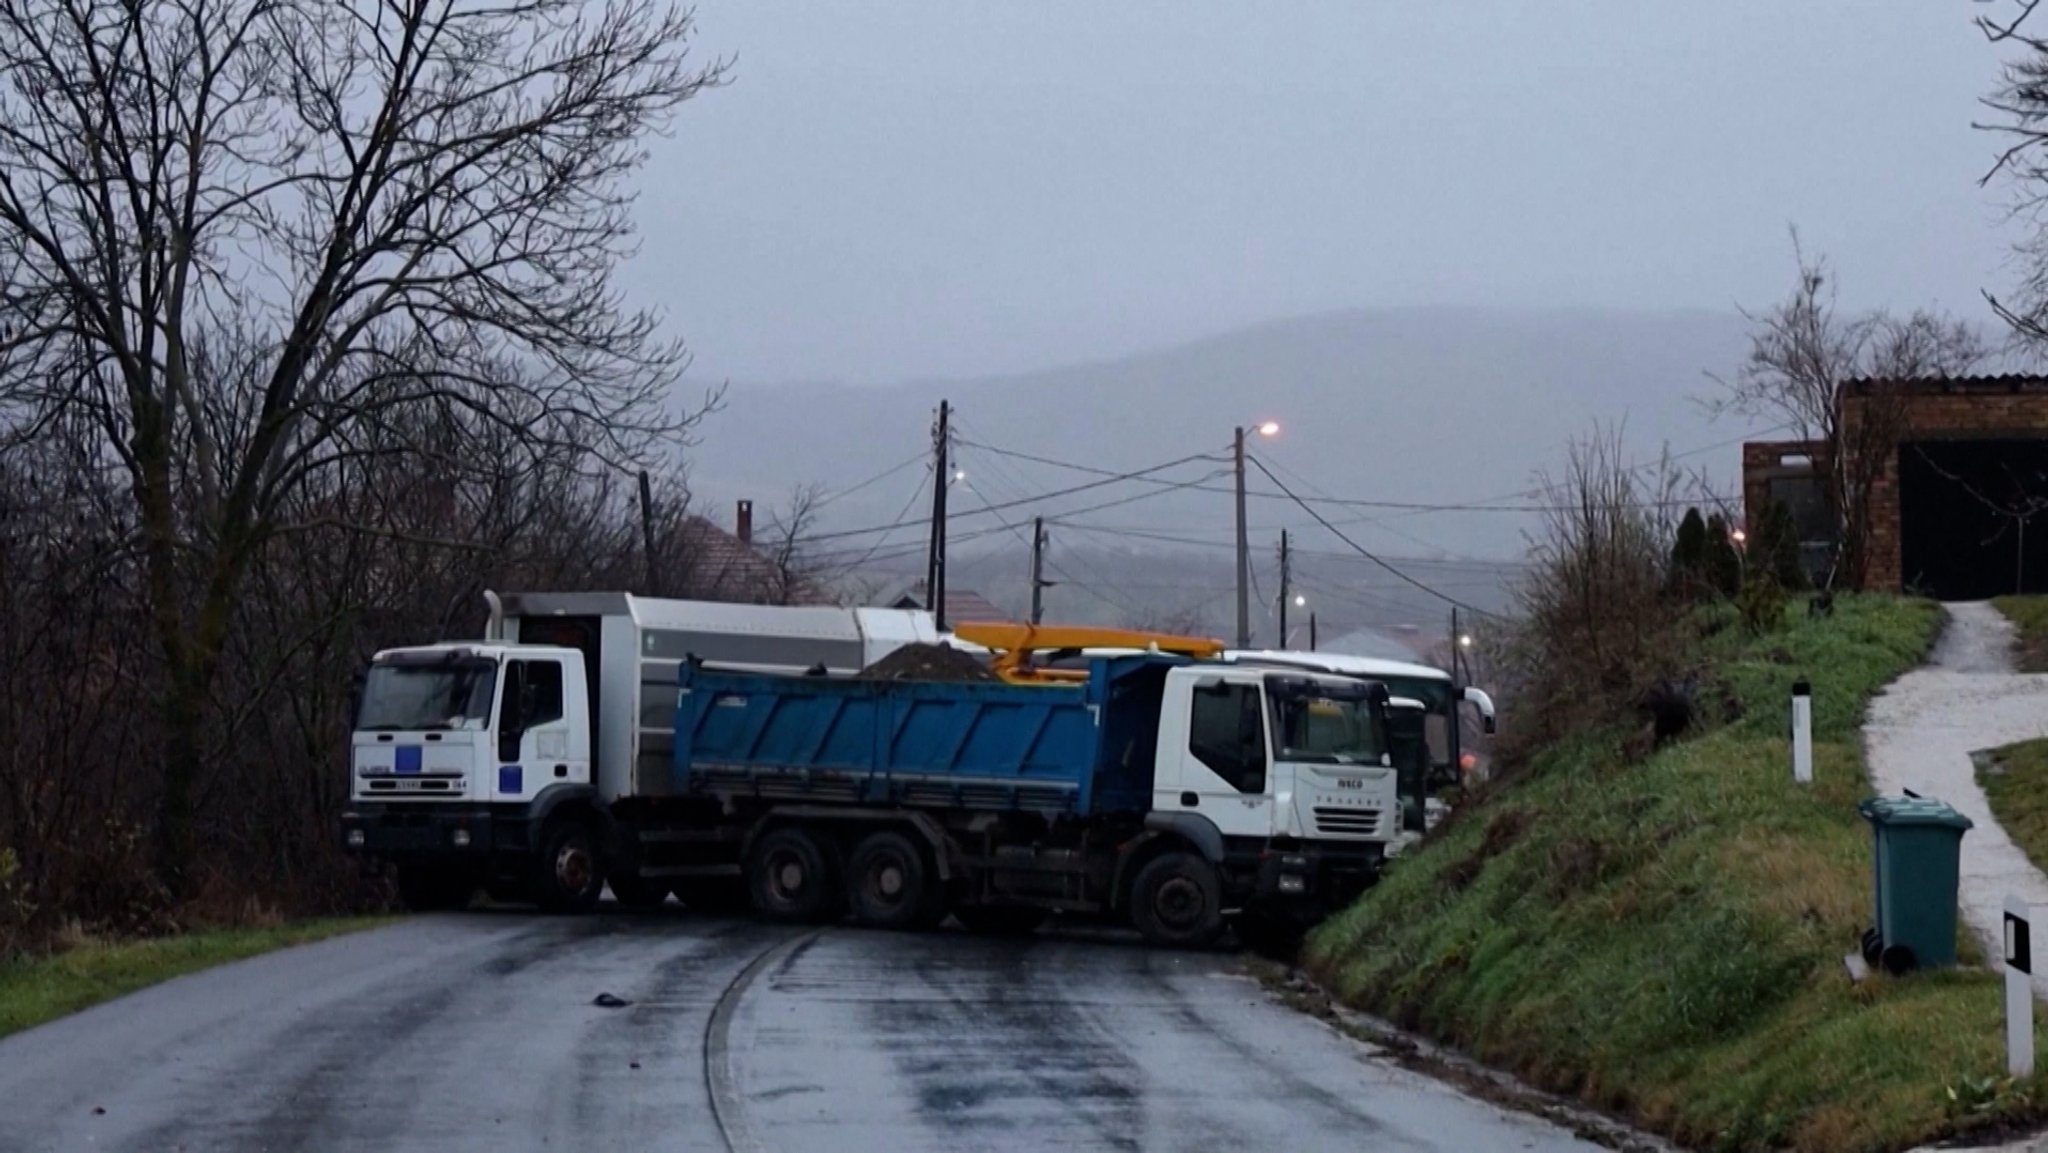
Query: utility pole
{"points": [[1286, 585], [942, 479], [652, 584], [1244, 553], [1038, 582], [1312, 632]]}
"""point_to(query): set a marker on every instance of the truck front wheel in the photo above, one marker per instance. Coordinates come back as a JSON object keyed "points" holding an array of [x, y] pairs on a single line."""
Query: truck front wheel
{"points": [[569, 874], [1177, 901], [889, 887], [793, 877]]}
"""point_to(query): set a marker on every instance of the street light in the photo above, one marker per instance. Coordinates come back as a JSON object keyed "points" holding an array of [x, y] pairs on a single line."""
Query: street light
{"points": [[1300, 601], [1267, 428], [1465, 641]]}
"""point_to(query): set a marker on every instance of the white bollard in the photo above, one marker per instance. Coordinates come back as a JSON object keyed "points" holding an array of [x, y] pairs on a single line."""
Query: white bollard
{"points": [[1802, 732], [2019, 988]]}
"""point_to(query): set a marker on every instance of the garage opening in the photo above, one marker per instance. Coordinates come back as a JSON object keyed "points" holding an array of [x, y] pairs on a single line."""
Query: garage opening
{"points": [[1973, 517]]}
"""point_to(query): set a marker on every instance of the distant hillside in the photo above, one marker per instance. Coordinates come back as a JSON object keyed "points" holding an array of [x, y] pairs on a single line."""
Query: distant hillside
{"points": [[1424, 405]]}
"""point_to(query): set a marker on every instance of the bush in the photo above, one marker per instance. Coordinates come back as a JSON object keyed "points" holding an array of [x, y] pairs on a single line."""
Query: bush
{"points": [[1596, 627], [1689, 555], [1723, 564], [1774, 547]]}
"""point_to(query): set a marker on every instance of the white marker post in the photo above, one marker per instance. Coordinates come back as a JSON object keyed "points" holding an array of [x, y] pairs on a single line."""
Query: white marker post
{"points": [[1802, 732], [2019, 988]]}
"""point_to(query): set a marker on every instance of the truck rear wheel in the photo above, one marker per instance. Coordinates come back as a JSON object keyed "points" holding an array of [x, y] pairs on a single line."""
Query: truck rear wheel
{"points": [[793, 877], [889, 887], [569, 873], [1177, 901], [427, 890]]}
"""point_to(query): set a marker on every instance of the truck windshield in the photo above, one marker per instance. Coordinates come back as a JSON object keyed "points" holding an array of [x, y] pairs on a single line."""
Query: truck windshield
{"points": [[1329, 730], [425, 697]]}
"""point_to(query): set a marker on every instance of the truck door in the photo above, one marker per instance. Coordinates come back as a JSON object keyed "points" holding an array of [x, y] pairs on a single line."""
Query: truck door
{"points": [[1227, 759], [536, 733]]}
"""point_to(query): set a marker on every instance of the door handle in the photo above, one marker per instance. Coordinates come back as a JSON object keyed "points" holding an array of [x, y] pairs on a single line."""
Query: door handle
{"points": [[1190, 800]]}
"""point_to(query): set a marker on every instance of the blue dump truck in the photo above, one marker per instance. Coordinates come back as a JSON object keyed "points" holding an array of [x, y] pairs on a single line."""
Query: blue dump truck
{"points": [[569, 751]]}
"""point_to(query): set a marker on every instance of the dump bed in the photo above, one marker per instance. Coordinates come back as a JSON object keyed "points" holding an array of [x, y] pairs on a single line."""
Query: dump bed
{"points": [[1083, 749]]}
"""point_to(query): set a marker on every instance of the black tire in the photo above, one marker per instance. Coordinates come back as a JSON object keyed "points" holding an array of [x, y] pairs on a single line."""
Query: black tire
{"points": [[714, 896], [1177, 901], [889, 885], [794, 878], [636, 892], [569, 872], [1001, 920], [426, 890]]}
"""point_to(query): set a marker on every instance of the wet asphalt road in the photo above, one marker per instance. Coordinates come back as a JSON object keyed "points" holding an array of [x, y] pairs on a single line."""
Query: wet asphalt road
{"points": [[478, 1033]]}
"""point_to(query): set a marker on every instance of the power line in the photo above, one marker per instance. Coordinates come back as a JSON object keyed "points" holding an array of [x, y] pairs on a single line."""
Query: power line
{"points": [[1486, 506], [1361, 550], [892, 470], [1139, 475]]}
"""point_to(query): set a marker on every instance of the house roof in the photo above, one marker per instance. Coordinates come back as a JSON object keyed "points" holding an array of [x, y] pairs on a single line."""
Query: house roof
{"points": [[961, 604], [724, 567], [1998, 384]]}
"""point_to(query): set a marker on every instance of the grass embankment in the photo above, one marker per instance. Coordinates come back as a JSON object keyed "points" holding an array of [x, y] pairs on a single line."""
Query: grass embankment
{"points": [[1664, 938], [2030, 614], [2015, 781], [36, 989]]}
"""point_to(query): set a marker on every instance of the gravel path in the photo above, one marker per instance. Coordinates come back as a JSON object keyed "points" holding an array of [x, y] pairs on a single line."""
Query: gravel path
{"points": [[1920, 734]]}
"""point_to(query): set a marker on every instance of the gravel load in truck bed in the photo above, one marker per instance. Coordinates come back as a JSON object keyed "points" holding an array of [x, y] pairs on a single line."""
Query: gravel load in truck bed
{"points": [[928, 663]]}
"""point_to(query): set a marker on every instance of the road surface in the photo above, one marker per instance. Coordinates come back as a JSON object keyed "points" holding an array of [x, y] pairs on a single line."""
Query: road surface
{"points": [[480, 1032]]}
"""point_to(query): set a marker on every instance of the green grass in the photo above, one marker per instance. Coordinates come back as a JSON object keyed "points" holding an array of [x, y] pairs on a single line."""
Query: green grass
{"points": [[2015, 781], [36, 989], [2031, 615], [1664, 938]]}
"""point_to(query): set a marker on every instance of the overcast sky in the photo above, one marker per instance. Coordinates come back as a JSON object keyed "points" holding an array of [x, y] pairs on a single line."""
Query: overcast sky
{"points": [[899, 189]]}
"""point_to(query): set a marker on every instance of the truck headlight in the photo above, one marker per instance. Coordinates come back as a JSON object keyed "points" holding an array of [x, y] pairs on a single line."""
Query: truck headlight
{"points": [[459, 838], [1289, 883], [355, 839]]}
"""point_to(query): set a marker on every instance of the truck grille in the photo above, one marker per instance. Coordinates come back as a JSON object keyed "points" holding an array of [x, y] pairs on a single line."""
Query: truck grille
{"points": [[1346, 822]]}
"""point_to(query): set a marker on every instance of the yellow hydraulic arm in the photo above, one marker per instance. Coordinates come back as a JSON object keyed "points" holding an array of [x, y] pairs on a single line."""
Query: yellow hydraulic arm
{"points": [[1014, 645]]}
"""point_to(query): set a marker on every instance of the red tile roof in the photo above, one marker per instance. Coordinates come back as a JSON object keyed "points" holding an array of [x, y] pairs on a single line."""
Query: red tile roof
{"points": [[720, 566]]}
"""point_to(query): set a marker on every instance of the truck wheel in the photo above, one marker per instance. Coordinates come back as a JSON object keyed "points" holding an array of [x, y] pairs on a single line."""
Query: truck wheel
{"points": [[715, 896], [792, 877], [425, 890], [569, 874], [1177, 901], [1001, 920], [637, 892], [889, 887]]}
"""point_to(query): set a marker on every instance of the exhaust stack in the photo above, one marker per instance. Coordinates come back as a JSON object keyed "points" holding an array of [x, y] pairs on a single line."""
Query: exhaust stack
{"points": [[494, 628]]}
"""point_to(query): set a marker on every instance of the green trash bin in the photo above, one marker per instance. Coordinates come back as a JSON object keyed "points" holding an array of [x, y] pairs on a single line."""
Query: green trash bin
{"points": [[1916, 859]]}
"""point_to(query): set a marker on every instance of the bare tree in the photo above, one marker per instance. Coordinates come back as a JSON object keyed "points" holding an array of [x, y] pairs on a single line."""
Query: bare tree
{"points": [[1804, 356], [2020, 105], [240, 239], [788, 554]]}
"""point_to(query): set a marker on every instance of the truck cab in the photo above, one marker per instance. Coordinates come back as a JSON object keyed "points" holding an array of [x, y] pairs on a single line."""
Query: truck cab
{"points": [[458, 755]]}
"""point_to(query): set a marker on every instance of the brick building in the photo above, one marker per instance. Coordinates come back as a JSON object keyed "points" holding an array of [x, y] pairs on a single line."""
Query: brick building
{"points": [[1959, 505]]}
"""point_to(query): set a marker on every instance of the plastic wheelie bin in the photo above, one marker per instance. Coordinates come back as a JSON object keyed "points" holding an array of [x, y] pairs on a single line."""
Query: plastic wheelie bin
{"points": [[1916, 859]]}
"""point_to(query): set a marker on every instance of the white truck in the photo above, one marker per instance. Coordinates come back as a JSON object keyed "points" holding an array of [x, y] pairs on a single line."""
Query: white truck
{"points": [[602, 737]]}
